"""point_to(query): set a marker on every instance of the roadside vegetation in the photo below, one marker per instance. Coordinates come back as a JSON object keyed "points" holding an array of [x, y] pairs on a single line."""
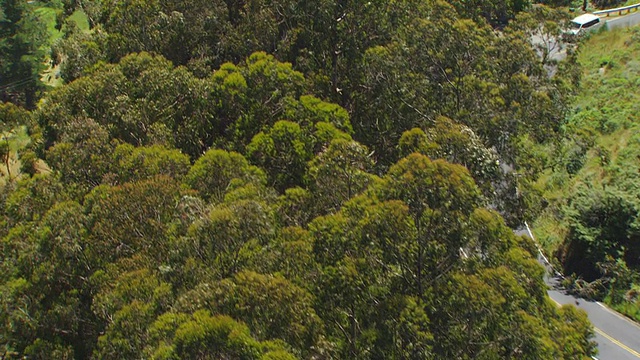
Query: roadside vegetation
{"points": [[591, 223]]}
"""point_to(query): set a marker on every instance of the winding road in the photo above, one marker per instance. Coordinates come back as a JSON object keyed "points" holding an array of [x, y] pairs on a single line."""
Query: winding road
{"points": [[618, 338]]}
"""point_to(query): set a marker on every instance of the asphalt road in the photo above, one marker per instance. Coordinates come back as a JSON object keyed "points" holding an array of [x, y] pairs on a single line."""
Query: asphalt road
{"points": [[623, 21], [558, 50], [618, 338]]}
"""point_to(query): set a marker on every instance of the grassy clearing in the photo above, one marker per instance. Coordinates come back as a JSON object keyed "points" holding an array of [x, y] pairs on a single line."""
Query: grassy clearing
{"points": [[48, 16], [81, 20], [50, 76], [19, 138]]}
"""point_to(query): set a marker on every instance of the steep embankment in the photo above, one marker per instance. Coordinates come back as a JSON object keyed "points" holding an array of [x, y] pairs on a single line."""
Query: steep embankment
{"points": [[592, 182]]}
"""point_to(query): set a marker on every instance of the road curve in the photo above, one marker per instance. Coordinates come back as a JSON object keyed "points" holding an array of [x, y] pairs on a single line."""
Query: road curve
{"points": [[618, 338]]}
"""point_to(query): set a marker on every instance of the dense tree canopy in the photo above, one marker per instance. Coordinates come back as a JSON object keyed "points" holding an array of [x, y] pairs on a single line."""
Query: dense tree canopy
{"points": [[283, 179], [149, 267], [22, 36]]}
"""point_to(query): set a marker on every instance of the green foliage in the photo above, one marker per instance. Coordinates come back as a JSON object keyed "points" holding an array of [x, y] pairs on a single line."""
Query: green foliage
{"points": [[476, 304], [144, 100], [228, 239], [201, 335], [137, 270], [496, 13], [83, 154], [284, 152], [218, 171], [557, 3], [32, 197], [128, 306], [12, 116], [129, 219], [22, 40], [210, 201], [316, 111], [413, 331], [28, 160], [140, 163], [291, 255], [77, 51], [574, 332], [5, 152], [425, 184], [131, 103], [295, 207], [339, 173], [458, 144], [440, 197], [13, 140], [445, 65], [370, 58], [601, 224], [606, 4], [592, 215], [270, 305]]}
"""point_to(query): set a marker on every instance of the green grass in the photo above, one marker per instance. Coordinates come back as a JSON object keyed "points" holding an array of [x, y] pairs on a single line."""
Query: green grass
{"points": [[49, 16], [630, 309], [629, 2], [81, 20], [20, 139]]}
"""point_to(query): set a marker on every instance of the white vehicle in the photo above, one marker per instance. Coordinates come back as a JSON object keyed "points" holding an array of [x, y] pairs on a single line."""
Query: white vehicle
{"points": [[582, 23]]}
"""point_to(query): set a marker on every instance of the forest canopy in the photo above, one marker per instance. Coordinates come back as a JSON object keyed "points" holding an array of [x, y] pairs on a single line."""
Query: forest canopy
{"points": [[283, 180]]}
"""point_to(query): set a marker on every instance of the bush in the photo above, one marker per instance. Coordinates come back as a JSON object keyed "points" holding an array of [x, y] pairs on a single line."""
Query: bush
{"points": [[28, 161], [604, 4], [556, 3]]}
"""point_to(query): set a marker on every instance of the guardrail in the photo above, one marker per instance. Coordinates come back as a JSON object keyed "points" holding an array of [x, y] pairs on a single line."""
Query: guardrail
{"points": [[618, 10]]}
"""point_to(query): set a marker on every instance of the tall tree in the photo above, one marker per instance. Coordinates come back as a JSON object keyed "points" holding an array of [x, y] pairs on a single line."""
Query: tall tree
{"points": [[218, 171], [129, 219], [127, 303], [229, 238], [201, 335], [270, 305], [440, 198], [340, 173], [284, 152], [22, 36]]}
